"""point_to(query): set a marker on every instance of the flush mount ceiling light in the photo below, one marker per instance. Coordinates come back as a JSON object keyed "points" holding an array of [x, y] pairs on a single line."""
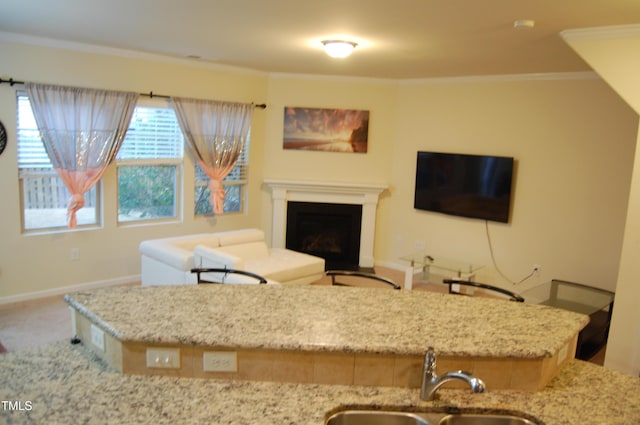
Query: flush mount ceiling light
{"points": [[338, 48]]}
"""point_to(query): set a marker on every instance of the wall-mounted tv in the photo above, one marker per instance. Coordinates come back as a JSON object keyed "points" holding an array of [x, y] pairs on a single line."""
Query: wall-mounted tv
{"points": [[475, 186]]}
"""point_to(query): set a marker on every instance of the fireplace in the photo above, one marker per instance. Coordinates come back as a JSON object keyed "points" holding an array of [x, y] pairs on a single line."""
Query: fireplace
{"points": [[284, 193], [330, 231]]}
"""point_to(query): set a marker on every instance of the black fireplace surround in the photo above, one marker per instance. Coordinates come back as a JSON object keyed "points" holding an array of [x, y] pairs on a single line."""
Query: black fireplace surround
{"points": [[326, 230]]}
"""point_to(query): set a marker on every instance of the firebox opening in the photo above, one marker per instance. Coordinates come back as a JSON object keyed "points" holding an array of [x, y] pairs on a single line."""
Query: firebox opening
{"points": [[330, 231]]}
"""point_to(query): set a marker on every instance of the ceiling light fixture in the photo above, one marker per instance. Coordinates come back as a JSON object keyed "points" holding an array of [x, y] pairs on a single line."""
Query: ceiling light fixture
{"points": [[338, 48]]}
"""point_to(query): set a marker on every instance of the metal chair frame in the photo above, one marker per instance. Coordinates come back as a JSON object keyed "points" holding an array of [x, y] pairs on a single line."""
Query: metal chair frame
{"points": [[334, 273], [512, 296], [199, 271]]}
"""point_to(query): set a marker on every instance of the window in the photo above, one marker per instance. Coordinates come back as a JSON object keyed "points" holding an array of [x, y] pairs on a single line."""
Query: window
{"points": [[234, 185], [149, 163], [149, 174], [43, 195]]}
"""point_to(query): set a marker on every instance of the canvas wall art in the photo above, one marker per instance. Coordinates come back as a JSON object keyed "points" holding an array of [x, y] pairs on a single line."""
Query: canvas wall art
{"points": [[329, 130]]}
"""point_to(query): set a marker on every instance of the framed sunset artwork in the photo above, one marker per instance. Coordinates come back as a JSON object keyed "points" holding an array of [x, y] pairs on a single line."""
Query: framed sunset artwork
{"points": [[329, 130]]}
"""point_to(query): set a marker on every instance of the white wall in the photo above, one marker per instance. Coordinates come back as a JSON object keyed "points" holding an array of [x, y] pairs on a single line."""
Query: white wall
{"points": [[573, 142], [613, 53], [41, 263], [572, 137]]}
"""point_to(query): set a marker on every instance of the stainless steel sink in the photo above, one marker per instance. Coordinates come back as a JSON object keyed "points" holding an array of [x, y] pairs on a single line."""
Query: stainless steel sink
{"points": [[474, 419], [384, 417], [374, 417]]}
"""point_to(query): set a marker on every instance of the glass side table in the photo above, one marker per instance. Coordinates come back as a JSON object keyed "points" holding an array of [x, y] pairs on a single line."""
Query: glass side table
{"points": [[452, 268], [594, 302]]}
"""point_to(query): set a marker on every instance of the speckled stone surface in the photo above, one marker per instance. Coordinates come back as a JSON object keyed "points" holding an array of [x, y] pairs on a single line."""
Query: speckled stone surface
{"points": [[66, 384], [325, 318]]}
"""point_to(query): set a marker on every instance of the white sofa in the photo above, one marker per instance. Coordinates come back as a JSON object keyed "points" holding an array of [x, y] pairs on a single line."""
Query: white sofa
{"points": [[247, 250], [169, 261]]}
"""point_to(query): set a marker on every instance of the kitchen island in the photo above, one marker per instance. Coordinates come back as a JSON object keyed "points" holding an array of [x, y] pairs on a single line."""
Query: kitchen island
{"points": [[323, 334], [67, 384]]}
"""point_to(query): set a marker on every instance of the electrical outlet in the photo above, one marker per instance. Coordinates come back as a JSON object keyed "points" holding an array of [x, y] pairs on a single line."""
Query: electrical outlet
{"points": [[75, 254], [536, 269], [97, 337], [419, 246], [74, 328], [219, 361], [163, 358]]}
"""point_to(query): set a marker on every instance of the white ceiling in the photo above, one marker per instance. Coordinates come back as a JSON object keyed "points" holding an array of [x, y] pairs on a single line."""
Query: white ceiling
{"points": [[396, 39]]}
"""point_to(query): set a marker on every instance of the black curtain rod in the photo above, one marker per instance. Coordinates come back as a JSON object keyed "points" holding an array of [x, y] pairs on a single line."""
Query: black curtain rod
{"points": [[151, 94]]}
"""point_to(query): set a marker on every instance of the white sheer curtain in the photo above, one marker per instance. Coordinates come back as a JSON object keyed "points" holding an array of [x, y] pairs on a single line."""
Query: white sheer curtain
{"points": [[82, 130], [216, 133]]}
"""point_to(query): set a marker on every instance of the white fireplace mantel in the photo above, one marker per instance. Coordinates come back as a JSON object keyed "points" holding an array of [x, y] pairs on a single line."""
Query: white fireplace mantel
{"points": [[367, 195]]}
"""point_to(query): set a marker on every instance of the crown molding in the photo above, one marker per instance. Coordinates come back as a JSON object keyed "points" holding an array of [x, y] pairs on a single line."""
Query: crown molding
{"points": [[596, 33], [549, 76], [124, 53]]}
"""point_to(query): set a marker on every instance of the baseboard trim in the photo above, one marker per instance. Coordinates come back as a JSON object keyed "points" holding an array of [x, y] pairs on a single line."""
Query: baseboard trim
{"points": [[392, 265], [31, 296]]}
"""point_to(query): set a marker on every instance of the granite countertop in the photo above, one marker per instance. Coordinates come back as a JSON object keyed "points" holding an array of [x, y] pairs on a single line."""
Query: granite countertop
{"points": [[66, 384], [320, 318]]}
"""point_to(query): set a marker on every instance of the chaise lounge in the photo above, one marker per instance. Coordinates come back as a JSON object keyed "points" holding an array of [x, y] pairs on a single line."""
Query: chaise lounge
{"points": [[169, 261]]}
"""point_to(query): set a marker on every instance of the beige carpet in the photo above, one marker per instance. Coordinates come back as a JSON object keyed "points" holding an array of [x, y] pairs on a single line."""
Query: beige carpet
{"points": [[32, 323]]}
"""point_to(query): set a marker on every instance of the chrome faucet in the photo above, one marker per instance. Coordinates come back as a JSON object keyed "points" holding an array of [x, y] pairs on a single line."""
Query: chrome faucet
{"points": [[431, 381]]}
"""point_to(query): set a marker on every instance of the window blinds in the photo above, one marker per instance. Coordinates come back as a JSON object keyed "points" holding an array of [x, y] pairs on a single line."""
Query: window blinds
{"points": [[153, 133]]}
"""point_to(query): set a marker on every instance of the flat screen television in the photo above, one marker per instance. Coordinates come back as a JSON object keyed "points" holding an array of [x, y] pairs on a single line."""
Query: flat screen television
{"points": [[475, 186]]}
